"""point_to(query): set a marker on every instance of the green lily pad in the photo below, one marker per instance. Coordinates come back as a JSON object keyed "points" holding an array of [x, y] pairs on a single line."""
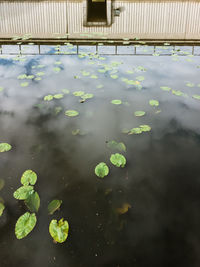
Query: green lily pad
{"points": [[65, 91], [58, 96], [101, 170], [2, 207], [85, 73], [140, 78], [23, 192], [165, 88], [24, 84], [78, 93], [114, 145], [54, 205], [114, 76], [94, 76], [177, 93], [87, 96], [145, 128], [139, 113], [136, 130], [154, 102], [118, 160], [4, 147], [71, 113], [56, 69], [59, 230], [196, 97], [25, 225], [21, 77], [116, 102], [29, 177], [190, 84], [33, 202], [40, 73], [48, 98]]}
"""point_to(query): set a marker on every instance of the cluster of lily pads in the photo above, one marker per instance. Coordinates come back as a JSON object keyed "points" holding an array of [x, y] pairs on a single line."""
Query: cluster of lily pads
{"points": [[26, 222]]}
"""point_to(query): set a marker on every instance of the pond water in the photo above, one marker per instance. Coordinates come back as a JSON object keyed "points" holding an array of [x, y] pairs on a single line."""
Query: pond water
{"points": [[145, 214]]}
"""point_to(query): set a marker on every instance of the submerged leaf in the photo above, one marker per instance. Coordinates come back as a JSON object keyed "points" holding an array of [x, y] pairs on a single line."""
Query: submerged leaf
{"points": [[54, 205], [29, 177], [118, 160], [101, 170], [4, 147], [71, 113], [114, 145], [116, 102], [59, 230], [25, 225], [23, 192], [33, 202]]}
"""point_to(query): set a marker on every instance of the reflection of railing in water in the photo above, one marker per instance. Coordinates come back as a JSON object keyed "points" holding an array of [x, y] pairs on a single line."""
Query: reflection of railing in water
{"points": [[41, 49]]}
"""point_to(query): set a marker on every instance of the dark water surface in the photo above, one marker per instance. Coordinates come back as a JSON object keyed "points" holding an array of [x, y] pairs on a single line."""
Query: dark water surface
{"points": [[161, 180]]}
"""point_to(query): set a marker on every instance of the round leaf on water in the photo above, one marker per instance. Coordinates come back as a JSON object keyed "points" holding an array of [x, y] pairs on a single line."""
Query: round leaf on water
{"points": [[71, 113], [78, 93], [58, 96], [2, 207], [165, 88], [23, 192], [29, 177], [114, 76], [116, 102], [154, 102], [118, 160], [59, 230], [48, 98], [25, 225], [54, 205], [140, 78], [33, 202], [87, 96], [139, 113], [24, 84], [114, 145], [135, 131], [4, 147], [196, 97], [101, 170], [145, 128]]}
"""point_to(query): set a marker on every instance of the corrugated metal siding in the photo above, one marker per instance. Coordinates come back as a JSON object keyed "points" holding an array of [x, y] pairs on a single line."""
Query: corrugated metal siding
{"points": [[152, 19]]}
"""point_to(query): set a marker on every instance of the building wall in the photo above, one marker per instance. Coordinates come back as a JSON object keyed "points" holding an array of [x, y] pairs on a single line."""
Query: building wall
{"points": [[143, 19]]}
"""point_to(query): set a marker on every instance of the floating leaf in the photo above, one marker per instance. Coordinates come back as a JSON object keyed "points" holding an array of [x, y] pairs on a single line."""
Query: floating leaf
{"points": [[48, 98], [177, 92], [139, 113], [118, 160], [58, 96], [114, 76], [114, 145], [33, 202], [116, 102], [2, 207], [165, 88], [1, 88], [23, 192], [29, 177], [94, 76], [59, 230], [101, 170], [54, 205], [65, 91], [196, 97], [136, 130], [71, 113], [145, 128], [87, 96], [24, 84], [78, 93], [57, 69], [25, 225], [40, 73], [21, 77], [140, 78], [4, 147], [154, 102], [189, 84], [85, 73]]}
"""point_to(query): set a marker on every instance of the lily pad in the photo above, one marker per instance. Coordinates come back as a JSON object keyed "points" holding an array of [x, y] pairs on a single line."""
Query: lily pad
{"points": [[54, 205], [25, 225], [165, 88], [48, 98], [58, 96], [78, 93], [145, 128], [140, 78], [4, 147], [116, 102], [114, 76], [71, 113], [136, 130], [24, 84], [33, 202], [196, 97], [139, 113], [29, 177], [59, 230], [154, 102], [114, 145], [101, 170], [87, 96], [23, 192], [65, 91], [2, 207], [118, 160]]}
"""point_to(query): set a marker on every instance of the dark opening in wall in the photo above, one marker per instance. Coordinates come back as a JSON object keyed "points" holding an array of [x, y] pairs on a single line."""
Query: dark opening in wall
{"points": [[96, 11]]}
